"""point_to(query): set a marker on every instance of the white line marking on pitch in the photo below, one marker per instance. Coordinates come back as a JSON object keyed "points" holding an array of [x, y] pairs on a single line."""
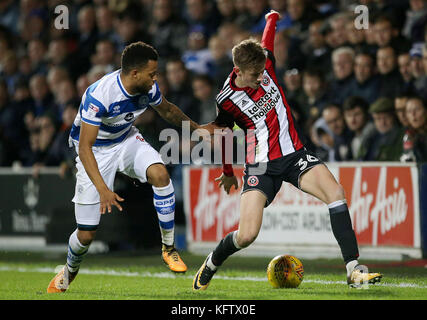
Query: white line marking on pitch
{"points": [[171, 275]]}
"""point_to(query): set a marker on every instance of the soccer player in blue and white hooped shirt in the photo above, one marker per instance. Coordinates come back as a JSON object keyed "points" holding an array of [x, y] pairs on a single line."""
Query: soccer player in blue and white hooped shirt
{"points": [[106, 142]]}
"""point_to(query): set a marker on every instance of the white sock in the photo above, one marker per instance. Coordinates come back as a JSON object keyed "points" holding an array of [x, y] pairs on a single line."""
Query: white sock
{"points": [[76, 252], [350, 266], [164, 202], [235, 240], [210, 264]]}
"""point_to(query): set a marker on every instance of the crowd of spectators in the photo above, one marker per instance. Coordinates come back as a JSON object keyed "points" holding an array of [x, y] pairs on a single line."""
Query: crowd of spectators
{"points": [[357, 94]]}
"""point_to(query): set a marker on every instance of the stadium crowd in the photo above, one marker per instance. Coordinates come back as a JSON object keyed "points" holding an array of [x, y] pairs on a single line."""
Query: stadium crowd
{"points": [[357, 94]]}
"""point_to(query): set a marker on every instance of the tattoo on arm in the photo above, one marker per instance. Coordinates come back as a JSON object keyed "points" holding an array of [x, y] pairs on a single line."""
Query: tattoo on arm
{"points": [[175, 116]]}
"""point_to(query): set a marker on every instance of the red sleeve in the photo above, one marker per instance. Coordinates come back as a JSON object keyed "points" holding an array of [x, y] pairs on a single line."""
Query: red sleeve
{"points": [[269, 32], [227, 166]]}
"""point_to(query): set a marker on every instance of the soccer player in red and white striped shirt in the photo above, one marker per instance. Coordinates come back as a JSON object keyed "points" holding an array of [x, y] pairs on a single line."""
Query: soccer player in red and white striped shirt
{"points": [[252, 98]]}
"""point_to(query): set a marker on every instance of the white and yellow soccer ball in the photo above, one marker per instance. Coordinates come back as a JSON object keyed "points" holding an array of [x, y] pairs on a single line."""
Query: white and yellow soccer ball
{"points": [[285, 271]]}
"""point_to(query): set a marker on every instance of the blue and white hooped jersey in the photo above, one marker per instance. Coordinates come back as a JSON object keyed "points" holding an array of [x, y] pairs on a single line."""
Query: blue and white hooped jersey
{"points": [[106, 104]]}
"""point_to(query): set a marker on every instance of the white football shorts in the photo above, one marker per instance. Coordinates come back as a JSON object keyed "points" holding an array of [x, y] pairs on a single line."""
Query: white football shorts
{"points": [[131, 157]]}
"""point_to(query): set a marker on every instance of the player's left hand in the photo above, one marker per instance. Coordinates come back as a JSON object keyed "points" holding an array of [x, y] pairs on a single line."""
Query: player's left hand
{"points": [[227, 182]]}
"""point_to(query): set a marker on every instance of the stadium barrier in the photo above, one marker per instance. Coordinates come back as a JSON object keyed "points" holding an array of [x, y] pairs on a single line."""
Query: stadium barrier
{"points": [[36, 213], [383, 198]]}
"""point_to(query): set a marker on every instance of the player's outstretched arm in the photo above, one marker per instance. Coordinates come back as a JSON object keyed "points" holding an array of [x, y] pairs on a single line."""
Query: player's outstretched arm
{"points": [[267, 40], [227, 178], [172, 114], [108, 198]]}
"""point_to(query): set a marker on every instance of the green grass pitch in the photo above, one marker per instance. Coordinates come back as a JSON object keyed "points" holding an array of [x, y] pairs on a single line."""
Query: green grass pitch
{"points": [[143, 276]]}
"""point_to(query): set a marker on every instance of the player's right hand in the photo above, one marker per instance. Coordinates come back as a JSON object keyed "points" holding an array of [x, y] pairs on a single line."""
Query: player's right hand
{"points": [[108, 199], [273, 12], [227, 182]]}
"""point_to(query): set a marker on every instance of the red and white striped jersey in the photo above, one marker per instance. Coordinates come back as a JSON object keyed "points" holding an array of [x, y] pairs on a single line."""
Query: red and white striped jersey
{"points": [[262, 113]]}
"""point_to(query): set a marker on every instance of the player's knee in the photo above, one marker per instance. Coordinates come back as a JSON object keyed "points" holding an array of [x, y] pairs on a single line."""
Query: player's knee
{"points": [[158, 176], [337, 193], [245, 239], [86, 237]]}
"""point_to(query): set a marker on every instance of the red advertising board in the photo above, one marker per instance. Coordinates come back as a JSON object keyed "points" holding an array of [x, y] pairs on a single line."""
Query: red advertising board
{"points": [[212, 213], [383, 204]]}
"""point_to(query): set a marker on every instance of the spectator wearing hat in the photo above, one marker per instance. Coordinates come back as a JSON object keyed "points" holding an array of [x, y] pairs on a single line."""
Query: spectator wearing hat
{"points": [[417, 66], [385, 144], [420, 83]]}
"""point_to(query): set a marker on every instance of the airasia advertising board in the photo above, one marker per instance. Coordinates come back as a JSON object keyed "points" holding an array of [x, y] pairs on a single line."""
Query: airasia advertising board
{"points": [[383, 203]]}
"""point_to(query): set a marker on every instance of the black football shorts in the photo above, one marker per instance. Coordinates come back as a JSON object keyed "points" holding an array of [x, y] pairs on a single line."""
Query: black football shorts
{"points": [[268, 177]]}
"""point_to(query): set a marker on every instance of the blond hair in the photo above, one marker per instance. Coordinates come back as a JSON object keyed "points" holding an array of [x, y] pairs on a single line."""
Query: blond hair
{"points": [[248, 54]]}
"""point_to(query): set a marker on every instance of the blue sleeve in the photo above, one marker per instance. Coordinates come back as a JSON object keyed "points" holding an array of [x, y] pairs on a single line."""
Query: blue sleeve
{"points": [[154, 95], [92, 111]]}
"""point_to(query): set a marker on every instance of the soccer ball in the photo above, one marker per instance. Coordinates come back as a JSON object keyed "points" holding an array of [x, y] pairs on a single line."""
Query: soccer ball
{"points": [[285, 271]]}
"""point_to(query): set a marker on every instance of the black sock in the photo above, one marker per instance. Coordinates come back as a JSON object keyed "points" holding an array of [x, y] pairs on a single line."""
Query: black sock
{"points": [[343, 231], [224, 249]]}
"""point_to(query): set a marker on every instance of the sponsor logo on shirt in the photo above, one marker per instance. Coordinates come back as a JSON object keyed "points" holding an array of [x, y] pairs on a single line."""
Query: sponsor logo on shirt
{"points": [[129, 116]]}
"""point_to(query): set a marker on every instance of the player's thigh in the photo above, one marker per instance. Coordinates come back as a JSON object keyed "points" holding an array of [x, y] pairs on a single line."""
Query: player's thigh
{"points": [[87, 218], [137, 156], [85, 190], [319, 182], [252, 205], [263, 183]]}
